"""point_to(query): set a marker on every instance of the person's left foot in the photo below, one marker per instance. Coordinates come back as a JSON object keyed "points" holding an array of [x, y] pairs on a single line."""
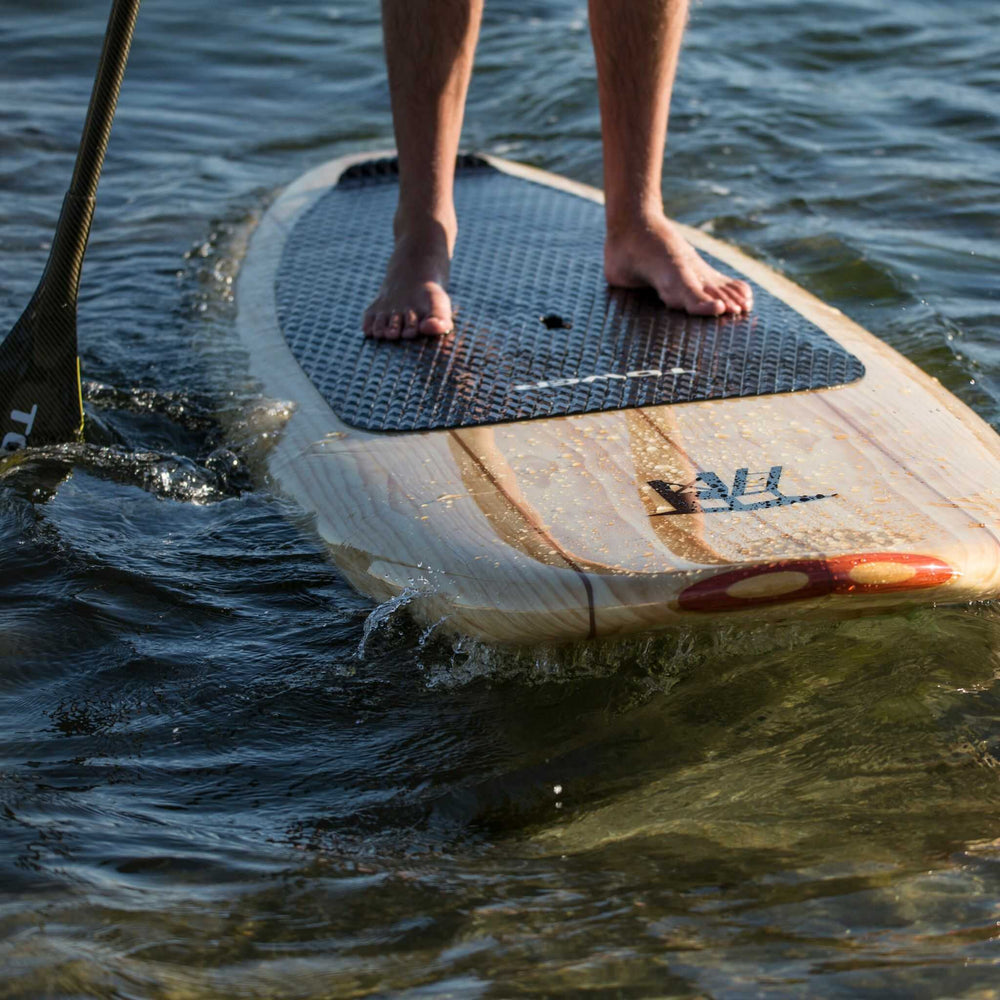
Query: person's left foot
{"points": [[651, 253], [413, 300]]}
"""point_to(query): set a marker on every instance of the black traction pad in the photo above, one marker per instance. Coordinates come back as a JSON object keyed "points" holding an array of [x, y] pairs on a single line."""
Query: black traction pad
{"points": [[538, 332]]}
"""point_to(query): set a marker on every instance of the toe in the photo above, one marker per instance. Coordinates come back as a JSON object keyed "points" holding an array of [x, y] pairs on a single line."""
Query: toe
{"points": [[411, 325], [394, 326], [745, 294], [704, 303], [379, 325], [717, 298], [368, 323], [434, 326], [438, 320], [734, 304], [738, 293], [719, 288]]}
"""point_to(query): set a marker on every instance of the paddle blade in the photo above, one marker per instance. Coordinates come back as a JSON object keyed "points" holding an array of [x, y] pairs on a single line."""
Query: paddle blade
{"points": [[40, 401]]}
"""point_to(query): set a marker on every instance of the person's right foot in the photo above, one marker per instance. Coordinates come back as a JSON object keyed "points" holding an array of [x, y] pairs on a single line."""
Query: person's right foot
{"points": [[649, 251], [412, 300]]}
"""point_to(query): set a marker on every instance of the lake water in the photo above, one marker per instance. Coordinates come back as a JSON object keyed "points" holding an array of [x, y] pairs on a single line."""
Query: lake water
{"points": [[220, 778]]}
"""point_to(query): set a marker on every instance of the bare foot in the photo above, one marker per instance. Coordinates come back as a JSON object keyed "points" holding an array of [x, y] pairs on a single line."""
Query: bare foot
{"points": [[653, 254], [412, 299]]}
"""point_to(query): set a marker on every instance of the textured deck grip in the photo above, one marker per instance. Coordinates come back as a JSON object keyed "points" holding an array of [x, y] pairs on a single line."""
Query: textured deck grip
{"points": [[538, 332]]}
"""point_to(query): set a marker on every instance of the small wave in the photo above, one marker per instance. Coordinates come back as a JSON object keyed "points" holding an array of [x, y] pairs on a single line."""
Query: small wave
{"points": [[216, 477]]}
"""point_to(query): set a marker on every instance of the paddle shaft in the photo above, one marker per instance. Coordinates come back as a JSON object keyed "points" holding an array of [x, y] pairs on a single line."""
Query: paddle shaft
{"points": [[62, 273]]}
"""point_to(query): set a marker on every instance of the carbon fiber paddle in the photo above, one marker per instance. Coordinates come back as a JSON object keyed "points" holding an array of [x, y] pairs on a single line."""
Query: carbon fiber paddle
{"points": [[40, 400]]}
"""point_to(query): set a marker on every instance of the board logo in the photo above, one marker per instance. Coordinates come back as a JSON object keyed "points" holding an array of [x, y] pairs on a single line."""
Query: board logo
{"points": [[13, 440], [556, 383], [708, 494]]}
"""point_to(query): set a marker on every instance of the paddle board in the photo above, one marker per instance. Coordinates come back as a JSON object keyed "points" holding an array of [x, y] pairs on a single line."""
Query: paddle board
{"points": [[576, 461]]}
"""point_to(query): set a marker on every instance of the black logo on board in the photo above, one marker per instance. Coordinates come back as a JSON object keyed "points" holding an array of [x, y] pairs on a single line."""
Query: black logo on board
{"points": [[708, 494]]}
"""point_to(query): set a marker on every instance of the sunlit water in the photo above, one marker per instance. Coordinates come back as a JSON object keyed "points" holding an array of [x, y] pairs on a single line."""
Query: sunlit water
{"points": [[220, 777]]}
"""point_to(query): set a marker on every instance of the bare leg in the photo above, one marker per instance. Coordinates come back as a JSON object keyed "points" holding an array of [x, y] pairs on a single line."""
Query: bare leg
{"points": [[637, 44], [429, 49]]}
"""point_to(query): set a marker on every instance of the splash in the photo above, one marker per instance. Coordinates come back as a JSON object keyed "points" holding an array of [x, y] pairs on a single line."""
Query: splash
{"points": [[383, 617]]}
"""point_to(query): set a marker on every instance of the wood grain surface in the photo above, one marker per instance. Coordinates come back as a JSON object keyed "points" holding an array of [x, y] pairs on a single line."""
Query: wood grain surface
{"points": [[641, 519]]}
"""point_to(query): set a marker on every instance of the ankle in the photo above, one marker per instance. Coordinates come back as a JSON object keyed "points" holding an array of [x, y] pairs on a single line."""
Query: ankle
{"points": [[636, 234], [426, 224], [632, 219]]}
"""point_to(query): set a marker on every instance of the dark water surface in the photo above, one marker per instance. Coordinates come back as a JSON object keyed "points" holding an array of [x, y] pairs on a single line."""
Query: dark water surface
{"points": [[219, 777]]}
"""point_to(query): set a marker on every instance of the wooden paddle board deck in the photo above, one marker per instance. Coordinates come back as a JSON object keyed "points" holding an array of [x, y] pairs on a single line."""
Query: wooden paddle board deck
{"points": [[879, 492]]}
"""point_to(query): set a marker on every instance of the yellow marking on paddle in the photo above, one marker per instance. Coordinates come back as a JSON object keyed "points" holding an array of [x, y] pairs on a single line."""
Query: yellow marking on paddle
{"points": [[79, 396]]}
